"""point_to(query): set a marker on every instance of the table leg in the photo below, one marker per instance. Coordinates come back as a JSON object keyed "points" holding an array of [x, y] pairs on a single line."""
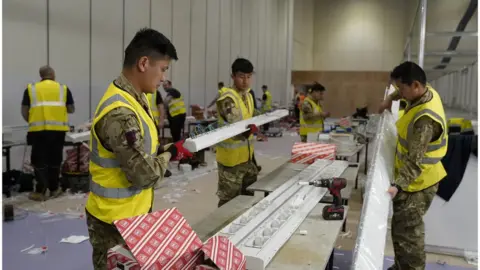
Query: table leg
{"points": [[366, 156], [356, 182], [7, 156], [358, 156], [78, 145]]}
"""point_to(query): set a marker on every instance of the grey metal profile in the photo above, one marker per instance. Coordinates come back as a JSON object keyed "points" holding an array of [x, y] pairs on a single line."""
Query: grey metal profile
{"points": [[452, 34], [423, 31]]}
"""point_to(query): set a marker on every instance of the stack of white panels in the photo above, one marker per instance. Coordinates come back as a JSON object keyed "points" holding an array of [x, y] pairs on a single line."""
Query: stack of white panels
{"points": [[261, 231]]}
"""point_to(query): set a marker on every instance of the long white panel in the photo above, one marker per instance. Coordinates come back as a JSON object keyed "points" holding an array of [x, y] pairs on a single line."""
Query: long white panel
{"points": [[213, 51], [198, 52], [107, 51], [244, 28], [137, 16], [161, 20], [24, 36], [370, 243], [224, 42], [70, 30], [181, 39], [263, 229], [222, 133]]}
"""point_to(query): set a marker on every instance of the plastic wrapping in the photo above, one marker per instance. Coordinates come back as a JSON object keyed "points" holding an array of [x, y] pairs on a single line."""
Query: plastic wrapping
{"points": [[371, 238]]}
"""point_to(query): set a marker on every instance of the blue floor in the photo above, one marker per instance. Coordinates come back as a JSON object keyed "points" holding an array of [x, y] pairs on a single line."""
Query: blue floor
{"points": [[36, 230], [343, 260], [39, 231]]}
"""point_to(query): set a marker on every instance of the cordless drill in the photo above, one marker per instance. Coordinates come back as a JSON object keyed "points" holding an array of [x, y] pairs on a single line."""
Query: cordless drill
{"points": [[334, 185]]}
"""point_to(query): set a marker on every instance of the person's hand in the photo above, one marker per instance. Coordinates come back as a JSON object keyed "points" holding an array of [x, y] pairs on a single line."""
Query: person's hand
{"points": [[393, 190], [386, 104], [177, 151], [252, 128]]}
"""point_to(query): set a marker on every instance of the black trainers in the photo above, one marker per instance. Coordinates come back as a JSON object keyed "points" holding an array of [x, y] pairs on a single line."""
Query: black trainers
{"points": [[168, 173]]}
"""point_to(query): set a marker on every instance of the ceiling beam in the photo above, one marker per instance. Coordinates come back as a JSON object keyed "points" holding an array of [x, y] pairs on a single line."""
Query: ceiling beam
{"points": [[452, 34], [451, 54]]}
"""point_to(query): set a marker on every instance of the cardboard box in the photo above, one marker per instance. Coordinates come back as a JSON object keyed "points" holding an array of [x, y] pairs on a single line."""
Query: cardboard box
{"points": [[307, 153], [164, 240]]}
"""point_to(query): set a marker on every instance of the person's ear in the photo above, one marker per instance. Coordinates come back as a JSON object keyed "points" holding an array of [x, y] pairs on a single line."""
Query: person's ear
{"points": [[142, 63]]}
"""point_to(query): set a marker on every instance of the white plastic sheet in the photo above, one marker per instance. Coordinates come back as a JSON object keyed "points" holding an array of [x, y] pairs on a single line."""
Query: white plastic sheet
{"points": [[370, 243]]}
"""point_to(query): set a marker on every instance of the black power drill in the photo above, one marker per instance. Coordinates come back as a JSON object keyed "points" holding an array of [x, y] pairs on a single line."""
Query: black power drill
{"points": [[334, 185]]}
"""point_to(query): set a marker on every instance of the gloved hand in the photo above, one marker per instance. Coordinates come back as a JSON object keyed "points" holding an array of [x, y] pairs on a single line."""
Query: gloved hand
{"points": [[251, 130], [177, 151]]}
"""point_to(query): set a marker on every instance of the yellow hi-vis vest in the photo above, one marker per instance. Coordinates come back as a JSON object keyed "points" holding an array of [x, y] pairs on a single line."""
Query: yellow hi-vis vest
{"points": [[267, 104], [112, 197], [311, 126], [176, 106], [233, 151], [223, 89], [461, 123], [152, 101], [48, 109], [432, 168]]}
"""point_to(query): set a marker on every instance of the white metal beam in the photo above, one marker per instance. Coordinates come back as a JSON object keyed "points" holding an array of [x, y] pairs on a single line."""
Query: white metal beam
{"points": [[450, 54], [423, 30], [452, 34]]}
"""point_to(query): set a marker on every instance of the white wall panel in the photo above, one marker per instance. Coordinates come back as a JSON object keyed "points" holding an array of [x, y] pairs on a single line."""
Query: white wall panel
{"points": [[245, 22], [137, 16], [459, 90], [213, 52], [236, 29], [254, 36], [107, 51], [162, 20], [198, 42], [225, 41], [24, 52], [71, 31], [182, 15]]}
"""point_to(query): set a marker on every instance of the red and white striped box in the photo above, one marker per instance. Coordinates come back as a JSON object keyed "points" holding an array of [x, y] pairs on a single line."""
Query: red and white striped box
{"points": [[307, 153], [223, 253], [164, 240]]}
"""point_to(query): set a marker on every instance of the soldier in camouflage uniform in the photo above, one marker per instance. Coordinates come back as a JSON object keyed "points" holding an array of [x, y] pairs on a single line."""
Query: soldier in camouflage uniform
{"points": [[233, 180], [147, 58], [409, 207], [308, 112]]}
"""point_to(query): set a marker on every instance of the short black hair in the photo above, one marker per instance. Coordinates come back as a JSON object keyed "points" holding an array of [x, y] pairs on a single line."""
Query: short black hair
{"points": [[408, 72], [220, 84], [317, 87], [264, 86], [242, 65], [151, 43]]}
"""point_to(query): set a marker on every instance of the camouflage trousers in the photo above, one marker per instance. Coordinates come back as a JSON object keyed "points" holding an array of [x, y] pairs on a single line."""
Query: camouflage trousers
{"points": [[408, 229], [233, 181], [103, 236]]}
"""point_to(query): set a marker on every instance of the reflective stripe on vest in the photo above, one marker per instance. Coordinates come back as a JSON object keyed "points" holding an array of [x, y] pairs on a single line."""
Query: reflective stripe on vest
{"points": [[115, 193], [176, 106], [425, 160], [431, 147]]}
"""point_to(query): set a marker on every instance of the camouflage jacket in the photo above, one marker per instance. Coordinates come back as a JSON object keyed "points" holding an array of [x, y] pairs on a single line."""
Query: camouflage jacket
{"points": [[142, 170], [425, 131], [308, 112]]}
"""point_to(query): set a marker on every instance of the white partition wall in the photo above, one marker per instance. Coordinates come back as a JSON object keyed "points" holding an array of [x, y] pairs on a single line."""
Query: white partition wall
{"points": [[459, 89], [83, 40]]}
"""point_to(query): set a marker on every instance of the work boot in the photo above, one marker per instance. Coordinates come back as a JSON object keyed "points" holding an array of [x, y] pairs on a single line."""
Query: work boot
{"points": [[168, 173], [56, 193], [35, 196], [259, 168]]}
